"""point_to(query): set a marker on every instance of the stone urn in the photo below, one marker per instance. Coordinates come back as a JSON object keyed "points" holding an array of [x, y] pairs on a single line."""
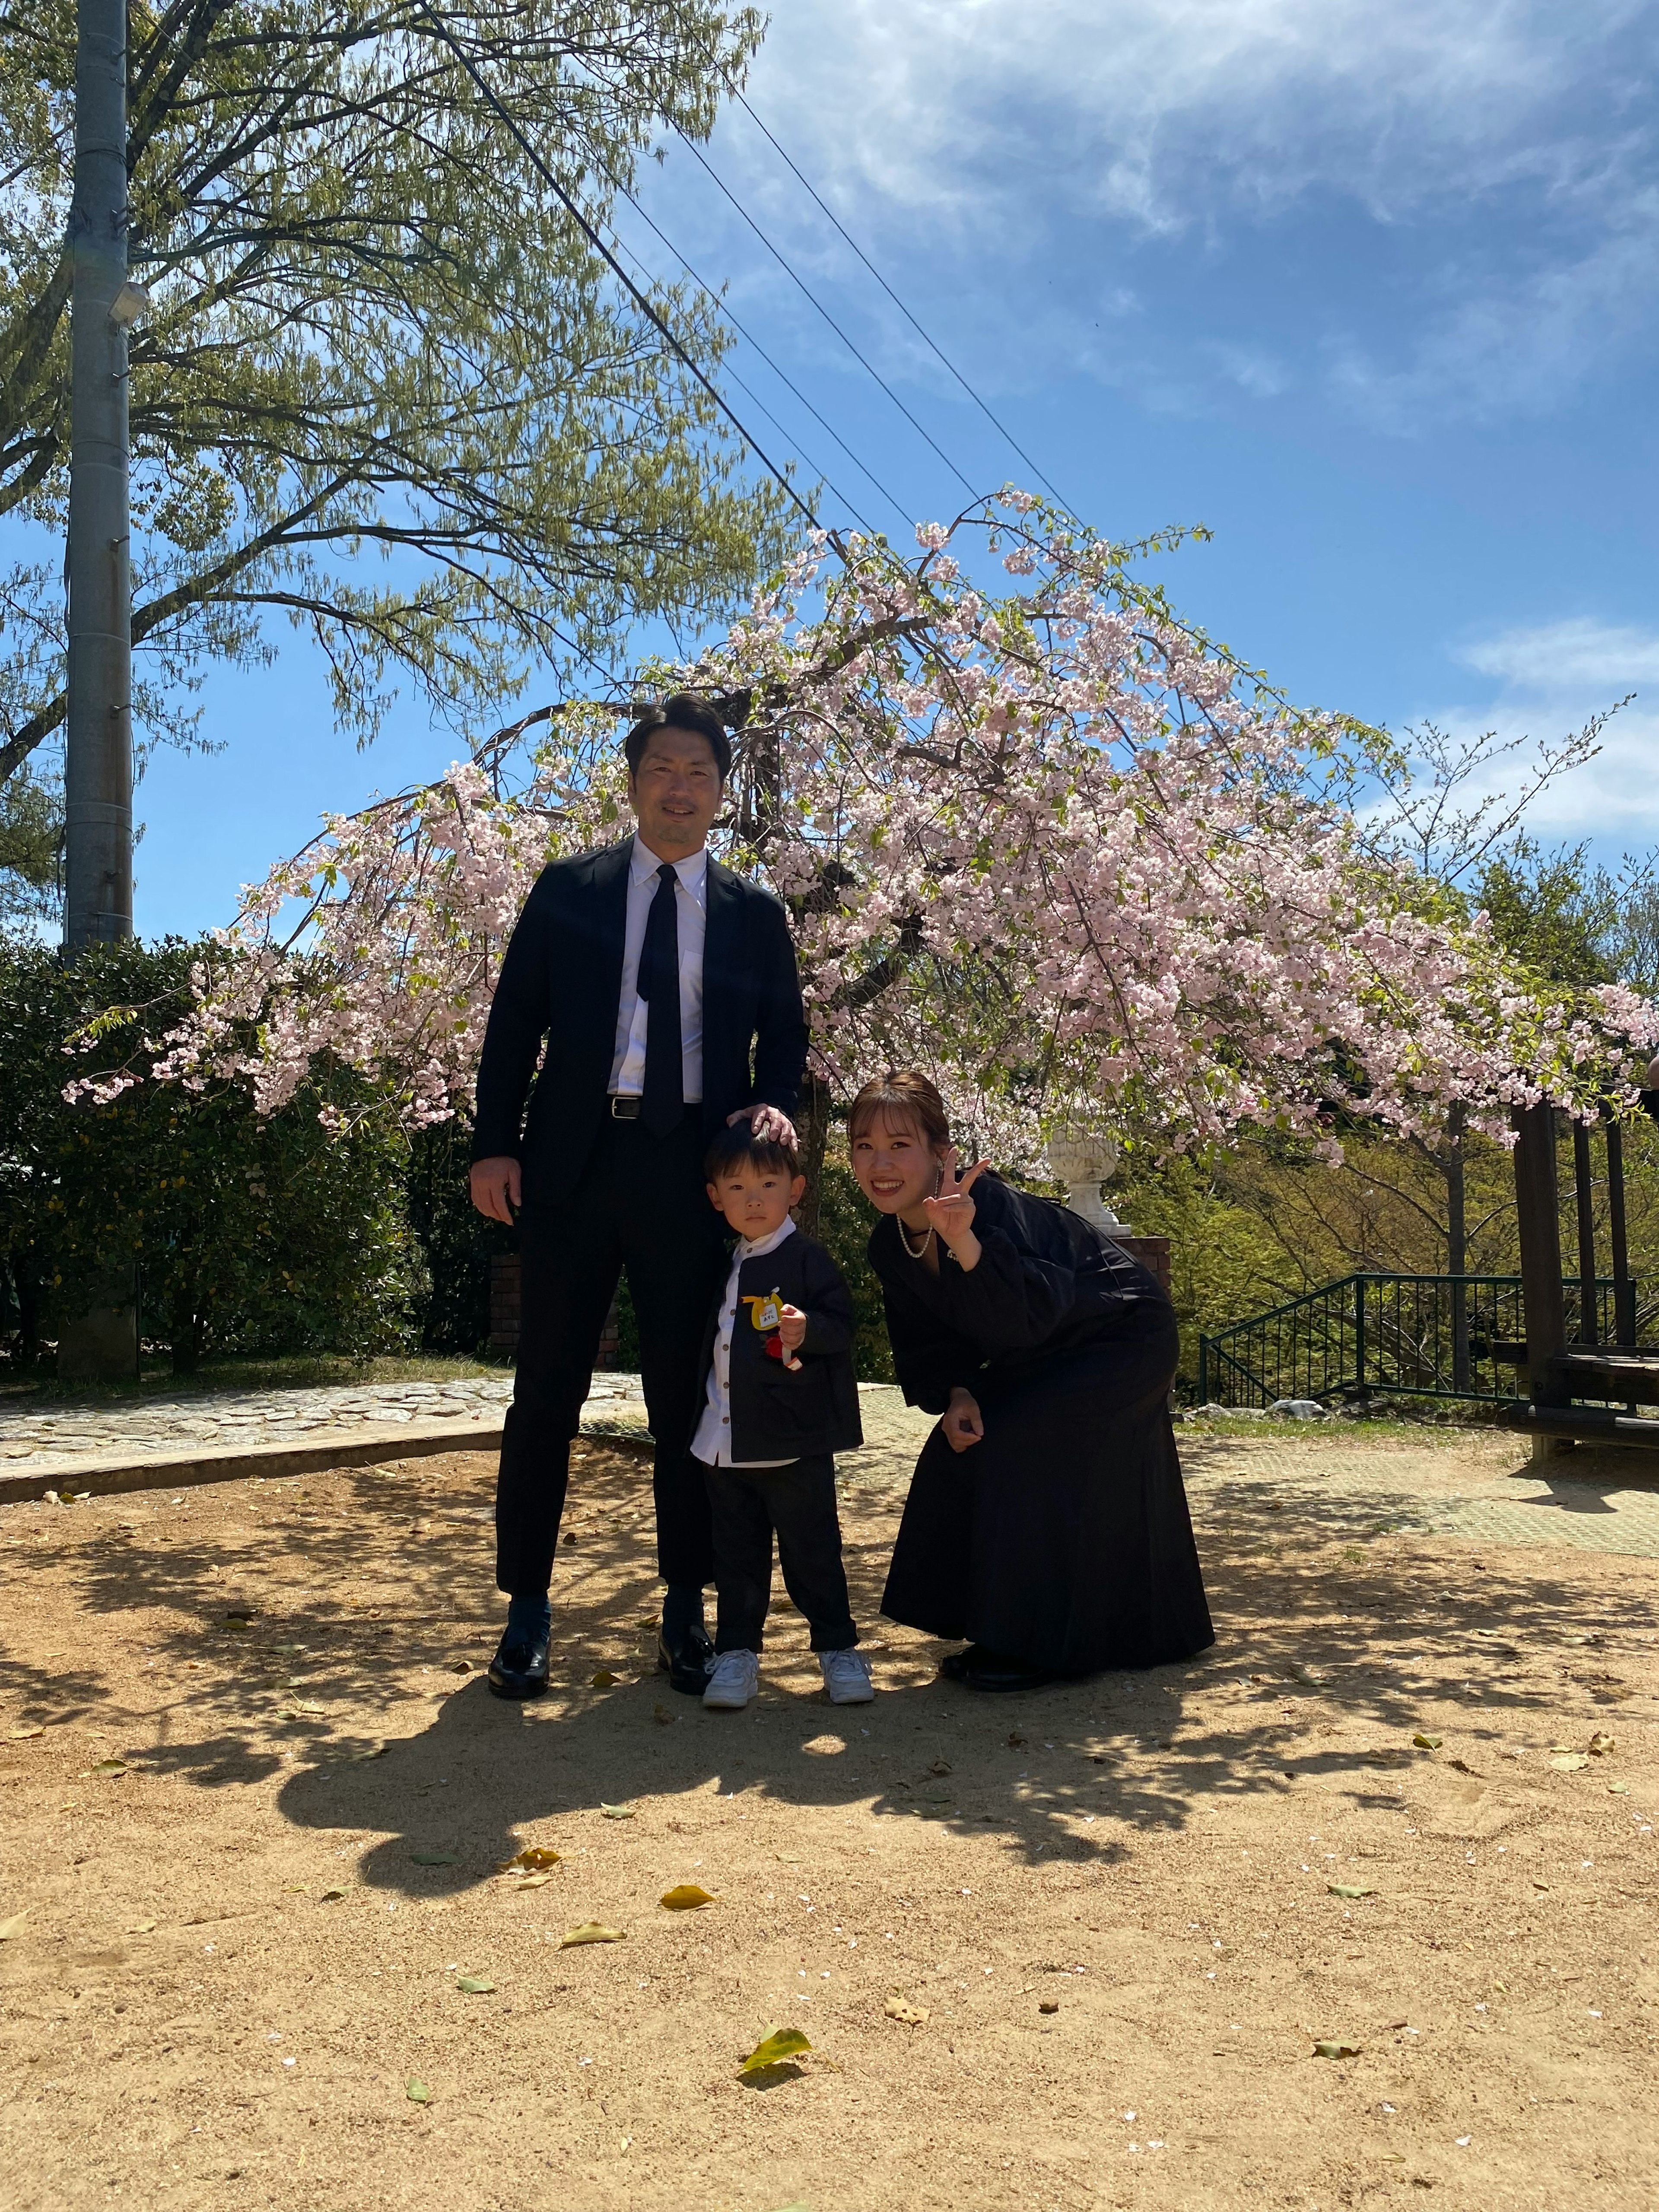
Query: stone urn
{"points": [[1082, 1160]]}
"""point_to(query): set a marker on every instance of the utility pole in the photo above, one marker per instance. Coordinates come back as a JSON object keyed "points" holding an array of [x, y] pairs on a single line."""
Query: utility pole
{"points": [[100, 1344], [98, 763]]}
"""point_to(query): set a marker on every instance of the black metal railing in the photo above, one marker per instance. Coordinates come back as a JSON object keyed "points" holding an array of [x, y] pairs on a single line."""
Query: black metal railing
{"points": [[1422, 1336]]}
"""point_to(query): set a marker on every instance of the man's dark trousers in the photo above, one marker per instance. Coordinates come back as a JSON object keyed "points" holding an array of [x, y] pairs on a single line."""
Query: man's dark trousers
{"points": [[639, 1202]]}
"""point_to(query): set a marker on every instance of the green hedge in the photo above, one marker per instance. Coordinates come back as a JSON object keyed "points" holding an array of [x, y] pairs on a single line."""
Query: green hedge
{"points": [[247, 1234]]}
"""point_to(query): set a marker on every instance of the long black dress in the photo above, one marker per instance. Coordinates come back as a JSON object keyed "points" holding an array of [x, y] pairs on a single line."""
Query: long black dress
{"points": [[1062, 1538]]}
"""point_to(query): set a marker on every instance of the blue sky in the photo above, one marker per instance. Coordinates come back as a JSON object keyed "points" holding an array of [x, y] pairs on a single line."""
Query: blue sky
{"points": [[1369, 286]]}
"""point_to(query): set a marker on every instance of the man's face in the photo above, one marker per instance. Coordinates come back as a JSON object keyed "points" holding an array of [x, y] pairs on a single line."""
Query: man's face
{"points": [[675, 792]]}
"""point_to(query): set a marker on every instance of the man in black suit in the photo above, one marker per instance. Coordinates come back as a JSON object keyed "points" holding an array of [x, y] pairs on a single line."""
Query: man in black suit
{"points": [[652, 974]]}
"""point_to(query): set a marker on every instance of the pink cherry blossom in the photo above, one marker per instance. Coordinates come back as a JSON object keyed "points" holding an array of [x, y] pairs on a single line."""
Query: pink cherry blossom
{"points": [[1054, 847]]}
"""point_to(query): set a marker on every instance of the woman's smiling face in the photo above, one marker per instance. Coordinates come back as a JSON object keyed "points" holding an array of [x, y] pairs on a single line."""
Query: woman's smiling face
{"points": [[895, 1166]]}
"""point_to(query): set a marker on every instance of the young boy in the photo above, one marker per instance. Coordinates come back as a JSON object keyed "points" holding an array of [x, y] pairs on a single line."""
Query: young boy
{"points": [[781, 1400]]}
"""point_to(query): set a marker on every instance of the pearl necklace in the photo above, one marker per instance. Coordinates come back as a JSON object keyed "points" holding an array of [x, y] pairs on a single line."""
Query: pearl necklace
{"points": [[915, 1251]]}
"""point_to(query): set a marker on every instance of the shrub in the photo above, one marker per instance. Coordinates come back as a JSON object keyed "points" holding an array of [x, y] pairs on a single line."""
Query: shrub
{"points": [[247, 1234]]}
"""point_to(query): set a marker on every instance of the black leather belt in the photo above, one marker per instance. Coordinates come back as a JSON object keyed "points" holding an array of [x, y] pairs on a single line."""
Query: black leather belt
{"points": [[626, 1110]]}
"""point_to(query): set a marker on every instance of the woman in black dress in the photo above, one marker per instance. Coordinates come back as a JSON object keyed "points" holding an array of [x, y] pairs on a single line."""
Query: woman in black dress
{"points": [[1046, 1519]]}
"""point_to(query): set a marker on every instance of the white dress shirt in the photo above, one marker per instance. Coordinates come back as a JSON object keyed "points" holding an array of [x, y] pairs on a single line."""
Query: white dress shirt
{"points": [[712, 1443], [691, 904]]}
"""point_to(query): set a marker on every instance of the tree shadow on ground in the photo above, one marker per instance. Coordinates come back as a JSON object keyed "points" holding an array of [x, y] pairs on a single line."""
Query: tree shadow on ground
{"points": [[1333, 1635]]}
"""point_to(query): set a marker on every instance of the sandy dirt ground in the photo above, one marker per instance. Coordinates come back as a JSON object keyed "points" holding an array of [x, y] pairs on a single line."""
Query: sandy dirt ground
{"points": [[254, 1796]]}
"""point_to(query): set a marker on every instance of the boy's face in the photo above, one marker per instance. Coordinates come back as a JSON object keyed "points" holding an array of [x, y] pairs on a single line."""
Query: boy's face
{"points": [[755, 1200]]}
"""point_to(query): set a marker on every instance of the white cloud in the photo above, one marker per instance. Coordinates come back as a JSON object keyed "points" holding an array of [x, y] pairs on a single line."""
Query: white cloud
{"points": [[1015, 164], [1550, 679], [1578, 658], [1153, 109]]}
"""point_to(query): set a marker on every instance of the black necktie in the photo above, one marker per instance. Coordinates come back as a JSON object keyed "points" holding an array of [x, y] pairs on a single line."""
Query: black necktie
{"points": [[663, 1103]]}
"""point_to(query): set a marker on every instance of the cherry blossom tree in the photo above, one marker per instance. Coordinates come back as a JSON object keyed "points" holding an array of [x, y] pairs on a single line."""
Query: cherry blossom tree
{"points": [[1046, 840]]}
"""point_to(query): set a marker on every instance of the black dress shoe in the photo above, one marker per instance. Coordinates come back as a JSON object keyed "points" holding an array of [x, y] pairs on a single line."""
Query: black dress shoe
{"points": [[687, 1663], [519, 1668], [996, 1671]]}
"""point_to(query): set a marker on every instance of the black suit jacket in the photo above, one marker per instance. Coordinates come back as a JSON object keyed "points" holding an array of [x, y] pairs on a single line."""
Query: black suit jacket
{"points": [[561, 980], [781, 1413]]}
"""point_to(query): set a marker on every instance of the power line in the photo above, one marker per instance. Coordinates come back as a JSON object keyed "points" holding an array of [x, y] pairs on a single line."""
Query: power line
{"points": [[789, 270], [744, 332], [862, 520], [983, 407], [639, 299]]}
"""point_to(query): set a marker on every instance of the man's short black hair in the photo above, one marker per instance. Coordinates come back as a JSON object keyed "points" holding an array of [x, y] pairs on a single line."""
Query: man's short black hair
{"points": [[681, 712], [739, 1145]]}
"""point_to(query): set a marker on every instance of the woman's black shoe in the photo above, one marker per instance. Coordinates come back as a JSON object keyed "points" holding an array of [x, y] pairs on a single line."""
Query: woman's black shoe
{"points": [[955, 1664], [995, 1671]]}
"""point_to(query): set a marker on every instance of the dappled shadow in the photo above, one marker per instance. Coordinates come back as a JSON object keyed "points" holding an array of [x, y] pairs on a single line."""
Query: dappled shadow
{"points": [[364, 1589]]}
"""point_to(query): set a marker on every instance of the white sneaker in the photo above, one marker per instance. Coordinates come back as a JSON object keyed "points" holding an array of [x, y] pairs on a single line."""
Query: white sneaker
{"points": [[847, 1677], [732, 1681]]}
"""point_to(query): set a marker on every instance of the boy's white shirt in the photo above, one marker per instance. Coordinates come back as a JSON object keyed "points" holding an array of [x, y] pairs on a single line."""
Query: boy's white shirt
{"points": [[712, 1443]]}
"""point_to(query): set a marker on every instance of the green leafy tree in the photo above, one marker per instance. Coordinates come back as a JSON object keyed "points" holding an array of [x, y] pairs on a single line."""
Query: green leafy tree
{"points": [[387, 390]]}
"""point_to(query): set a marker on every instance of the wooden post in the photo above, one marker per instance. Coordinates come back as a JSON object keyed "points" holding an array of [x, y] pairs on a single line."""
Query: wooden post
{"points": [[1589, 1327], [1538, 1222], [1624, 1301]]}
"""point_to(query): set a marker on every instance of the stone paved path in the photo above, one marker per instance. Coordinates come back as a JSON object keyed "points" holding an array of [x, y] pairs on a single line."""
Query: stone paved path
{"points": [[1479, 1488], [1472, 1485]]}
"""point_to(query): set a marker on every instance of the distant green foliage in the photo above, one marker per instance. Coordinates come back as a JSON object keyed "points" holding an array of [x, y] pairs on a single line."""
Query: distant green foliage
{"points": [[31, 833], [456, 1241], [846, 1218], [249, 1235]]}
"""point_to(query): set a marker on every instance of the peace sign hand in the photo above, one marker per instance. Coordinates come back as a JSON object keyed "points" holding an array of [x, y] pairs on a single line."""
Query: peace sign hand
{"points": [[952, 1211]]}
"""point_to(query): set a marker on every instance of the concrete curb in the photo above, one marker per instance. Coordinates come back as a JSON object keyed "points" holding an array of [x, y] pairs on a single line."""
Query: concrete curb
{"points": [[108, 1473]]}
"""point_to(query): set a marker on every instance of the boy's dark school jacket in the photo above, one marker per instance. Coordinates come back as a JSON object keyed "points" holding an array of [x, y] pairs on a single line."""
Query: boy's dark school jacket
{"points": [[778, 1413]]}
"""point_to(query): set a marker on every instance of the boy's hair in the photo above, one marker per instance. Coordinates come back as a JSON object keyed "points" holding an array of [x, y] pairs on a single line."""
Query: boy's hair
{"points": [[681, 712], [904, 1097], [740, 1145]]}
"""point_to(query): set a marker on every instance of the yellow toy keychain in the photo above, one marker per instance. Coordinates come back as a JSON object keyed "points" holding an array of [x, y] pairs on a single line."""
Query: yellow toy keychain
{"points": [[767, 1315]]}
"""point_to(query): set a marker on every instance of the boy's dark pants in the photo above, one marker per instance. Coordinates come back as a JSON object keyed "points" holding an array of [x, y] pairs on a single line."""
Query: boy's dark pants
{"points": [[798, 1502]]}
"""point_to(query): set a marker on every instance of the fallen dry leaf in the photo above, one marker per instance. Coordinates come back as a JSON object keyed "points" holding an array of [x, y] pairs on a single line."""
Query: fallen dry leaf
{"points": [[534, 1858], [476, 1985], [774, 2047], [901, 2008], [1350, 1889], [1569, 1762], [604, 1680], [1334, 2050], [111, 1766], [141, 1928], [617, 1811], [1601, 1744], [416, 2090], [685, 1897], [533, 1881], [1049, 2004], [10, 1930], [329, 1895], [940, 1766], [432, 1858], [662, 1717], [592, 1931], [19, 1734], [1428, 1742]]}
